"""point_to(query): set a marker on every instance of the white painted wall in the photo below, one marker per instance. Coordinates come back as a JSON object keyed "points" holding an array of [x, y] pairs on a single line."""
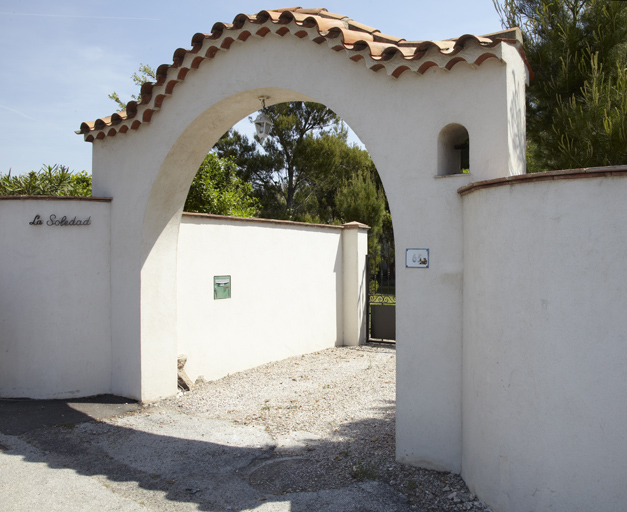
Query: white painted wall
{"points": [[287, 296], [354, 283], [55, 338], [545, 345]]}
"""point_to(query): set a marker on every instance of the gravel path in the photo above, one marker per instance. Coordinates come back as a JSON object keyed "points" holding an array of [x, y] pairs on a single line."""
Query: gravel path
{"points": [[332, 416]]}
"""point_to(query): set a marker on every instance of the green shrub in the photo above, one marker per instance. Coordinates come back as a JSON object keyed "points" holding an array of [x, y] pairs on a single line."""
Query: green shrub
{"points": [[55, 180]]}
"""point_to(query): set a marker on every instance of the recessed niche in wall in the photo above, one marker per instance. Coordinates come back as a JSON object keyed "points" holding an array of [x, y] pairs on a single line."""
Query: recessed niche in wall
{"points": [[453, 150]]}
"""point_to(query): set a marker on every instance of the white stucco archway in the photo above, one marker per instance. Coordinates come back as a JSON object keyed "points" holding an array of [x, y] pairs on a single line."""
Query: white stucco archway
{"points": [[398, 97]]}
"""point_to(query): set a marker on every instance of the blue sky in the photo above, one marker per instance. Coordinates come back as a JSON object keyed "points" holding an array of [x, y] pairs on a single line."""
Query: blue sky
{"points": [[61, 59]]}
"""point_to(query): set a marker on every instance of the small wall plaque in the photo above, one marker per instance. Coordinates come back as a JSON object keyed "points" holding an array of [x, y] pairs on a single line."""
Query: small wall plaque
{"points": [[222, 287], [417, 258]]}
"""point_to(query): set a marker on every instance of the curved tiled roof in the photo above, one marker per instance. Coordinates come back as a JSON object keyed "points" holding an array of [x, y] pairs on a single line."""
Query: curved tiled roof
{"points": [[340, 33]]}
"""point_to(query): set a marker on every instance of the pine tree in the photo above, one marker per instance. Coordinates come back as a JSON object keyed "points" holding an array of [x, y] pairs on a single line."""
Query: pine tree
{"points": [[577, 50]]}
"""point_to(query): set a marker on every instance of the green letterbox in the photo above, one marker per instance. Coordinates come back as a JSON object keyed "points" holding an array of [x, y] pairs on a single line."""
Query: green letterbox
{"points": [[221, 287]]}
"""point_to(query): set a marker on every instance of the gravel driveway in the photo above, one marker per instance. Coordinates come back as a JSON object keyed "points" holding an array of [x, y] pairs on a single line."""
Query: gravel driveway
{"points": [[334, 410], [312, 432]]}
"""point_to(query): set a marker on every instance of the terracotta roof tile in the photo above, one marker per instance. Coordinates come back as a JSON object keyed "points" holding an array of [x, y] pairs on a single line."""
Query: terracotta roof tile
{"points": [[353, 25], [348, 37], [361, 43], [384, 38], [291, 9], [324, 13]]}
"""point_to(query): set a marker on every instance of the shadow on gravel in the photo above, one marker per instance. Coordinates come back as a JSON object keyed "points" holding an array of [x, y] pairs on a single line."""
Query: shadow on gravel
{"points": [[238, 468]]}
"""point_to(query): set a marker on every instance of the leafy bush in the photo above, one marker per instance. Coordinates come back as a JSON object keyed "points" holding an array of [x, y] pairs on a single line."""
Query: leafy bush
{"points": [[55, 180], [217, 189]]}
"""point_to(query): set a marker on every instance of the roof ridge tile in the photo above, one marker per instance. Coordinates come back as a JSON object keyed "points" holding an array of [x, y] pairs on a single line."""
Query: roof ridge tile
{"points": [[354, 25]]}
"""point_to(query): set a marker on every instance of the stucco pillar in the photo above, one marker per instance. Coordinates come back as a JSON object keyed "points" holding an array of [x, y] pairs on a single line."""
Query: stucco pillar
{"points": [[354, 282]]}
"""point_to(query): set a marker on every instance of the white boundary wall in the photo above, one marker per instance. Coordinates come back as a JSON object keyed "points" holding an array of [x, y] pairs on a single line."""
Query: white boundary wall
{"points": [[545, 344], [297, 288], [55, 302], [288, 285]]}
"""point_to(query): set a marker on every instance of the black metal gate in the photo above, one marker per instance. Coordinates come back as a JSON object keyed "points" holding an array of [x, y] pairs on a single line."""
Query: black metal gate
{"points": [[382, 317], [381, 308]]}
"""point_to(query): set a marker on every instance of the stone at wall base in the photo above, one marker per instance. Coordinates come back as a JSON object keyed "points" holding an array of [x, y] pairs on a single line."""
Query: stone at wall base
{"points": [[183, 381]]}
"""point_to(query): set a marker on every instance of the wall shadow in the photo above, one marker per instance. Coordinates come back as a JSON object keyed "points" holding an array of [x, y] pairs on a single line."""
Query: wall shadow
{"points": [[21, 415], [238, 468]]}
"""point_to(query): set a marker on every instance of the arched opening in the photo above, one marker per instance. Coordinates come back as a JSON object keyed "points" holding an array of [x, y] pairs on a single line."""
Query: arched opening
{"points": [[453, 150], [352, 431], [271, 287]]}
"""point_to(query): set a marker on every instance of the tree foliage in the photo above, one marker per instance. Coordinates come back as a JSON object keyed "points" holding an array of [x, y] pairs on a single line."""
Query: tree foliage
{"points": [[286, 171], [301, 166], [50, 180], [217, 189], [140, 77], [592, 129], [576, 103], [361, 199]]}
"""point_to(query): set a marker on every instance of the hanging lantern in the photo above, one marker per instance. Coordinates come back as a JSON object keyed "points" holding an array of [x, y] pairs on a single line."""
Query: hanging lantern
{"points": [[263, 124]]}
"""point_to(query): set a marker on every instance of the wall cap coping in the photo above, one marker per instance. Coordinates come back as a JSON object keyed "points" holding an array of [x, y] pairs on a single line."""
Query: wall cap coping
{"points": [[57, 198], [568, 174], [454, 175], [274, 222], [355, 225]]}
